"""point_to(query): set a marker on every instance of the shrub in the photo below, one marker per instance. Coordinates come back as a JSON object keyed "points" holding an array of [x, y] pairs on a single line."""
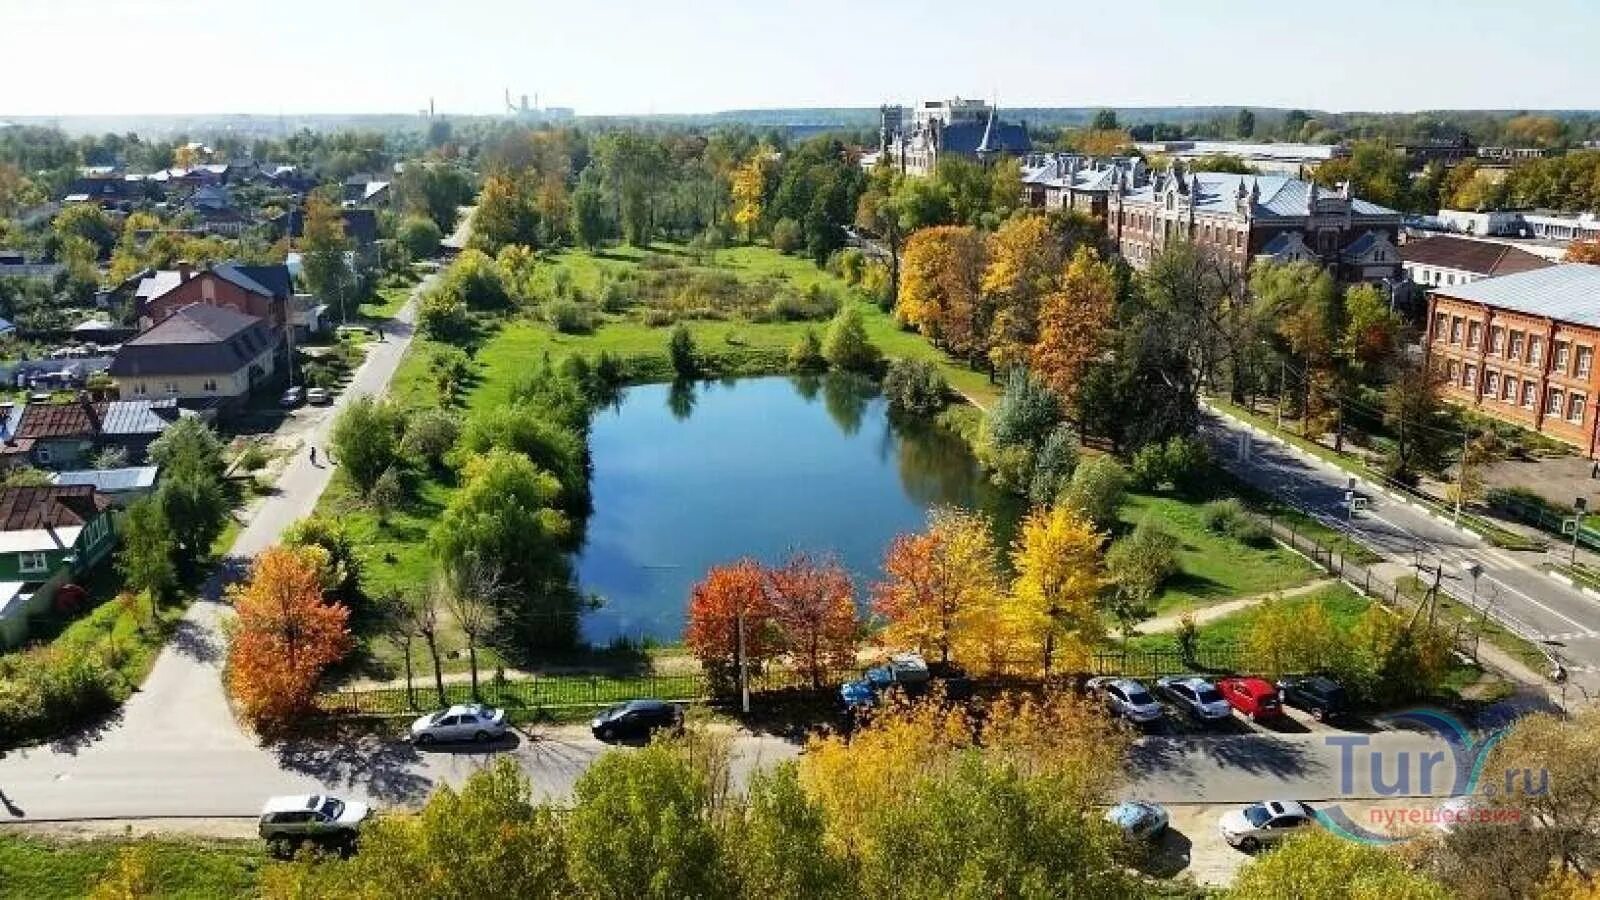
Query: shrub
{"points": [[420, 236], [786, 236], [849, 264], [846, 345], [320, 375], [1140, 564], [442, 315], [680, 347], [430, 435], [1097, 490], [1228, 517], [658, 318], [570, 316], [1053, 465], [815, 303], [713, 238], [253, 459], [915, 386], [806, 354], [1180, 462], [52, 689], [617, 296]]}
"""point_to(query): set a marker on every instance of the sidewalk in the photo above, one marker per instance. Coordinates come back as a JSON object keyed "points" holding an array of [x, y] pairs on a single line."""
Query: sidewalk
{"points": [[1204, 614]]}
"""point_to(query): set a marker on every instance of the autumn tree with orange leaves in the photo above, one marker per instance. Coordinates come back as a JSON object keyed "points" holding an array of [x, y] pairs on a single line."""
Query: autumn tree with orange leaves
{"points": [[1583, 252], [715, 605], [813, 604], [285, 636], [942, 588], [1073, 321], [1025, 263]]}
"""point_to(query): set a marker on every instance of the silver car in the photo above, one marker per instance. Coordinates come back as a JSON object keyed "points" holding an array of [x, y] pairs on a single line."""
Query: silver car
{"points": [[1197, 697], [465, 722], [311, 816], [1128, 698], [1260, 824]]}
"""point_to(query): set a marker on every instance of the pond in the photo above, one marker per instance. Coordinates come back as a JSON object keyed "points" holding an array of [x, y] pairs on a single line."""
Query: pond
{"points": [[688, 476]]}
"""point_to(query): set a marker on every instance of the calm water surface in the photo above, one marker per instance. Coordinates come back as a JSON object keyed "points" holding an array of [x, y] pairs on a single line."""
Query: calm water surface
{"points": [[689, 476]]}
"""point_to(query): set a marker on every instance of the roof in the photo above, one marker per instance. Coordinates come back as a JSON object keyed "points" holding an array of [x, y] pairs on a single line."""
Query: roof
{"points": [[110, 481], [158, 284], [196, 340], [49, 506], [291, 803], [1569, 292], [1468, 255], [83, 419], [32, 540], [967, 137], [1276, 195]]}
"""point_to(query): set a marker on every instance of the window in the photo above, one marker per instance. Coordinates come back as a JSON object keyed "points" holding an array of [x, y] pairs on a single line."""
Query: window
{"points": [[1535, 346], [1516, 345], [1441, 323], [1469, 378], [1474, 334], [1552, 406], [1508, 391], [31, 562], [1585, 361], [1455, 330], [1491, 384], [1561, 356], [170, 387], [1497, 337], [1527, 394], [1455, 370], [139, 389], [210, 385], [1575, 408]]}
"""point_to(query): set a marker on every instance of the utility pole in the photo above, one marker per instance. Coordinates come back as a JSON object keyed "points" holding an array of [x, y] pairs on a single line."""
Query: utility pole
{"points": [[1338, 424], [1461, 477]]}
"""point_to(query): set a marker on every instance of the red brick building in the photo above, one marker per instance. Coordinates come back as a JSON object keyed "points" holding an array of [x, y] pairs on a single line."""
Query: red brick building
{"points": [[260, 291], [1521, 348]]}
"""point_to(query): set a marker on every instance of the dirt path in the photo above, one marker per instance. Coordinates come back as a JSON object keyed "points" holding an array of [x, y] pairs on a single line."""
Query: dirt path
{"points": [[1204, 614]]}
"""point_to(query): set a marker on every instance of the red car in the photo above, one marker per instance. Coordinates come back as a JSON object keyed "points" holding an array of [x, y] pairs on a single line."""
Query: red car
{"points": [[1255, 698]]}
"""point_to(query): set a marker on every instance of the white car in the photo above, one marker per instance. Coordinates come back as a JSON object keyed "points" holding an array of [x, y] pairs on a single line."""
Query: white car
{"points": [[466, 722], [1196, 697], [315, 816], [1265, 823], [318, 396], [1128, 698]]}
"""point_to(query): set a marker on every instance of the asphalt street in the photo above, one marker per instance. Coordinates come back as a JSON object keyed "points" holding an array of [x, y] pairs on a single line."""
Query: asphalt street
{"points": [[1516, 593]]}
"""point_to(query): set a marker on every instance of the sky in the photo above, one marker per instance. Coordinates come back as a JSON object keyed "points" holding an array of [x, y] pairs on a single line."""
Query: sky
{"points": [[85, 57]]}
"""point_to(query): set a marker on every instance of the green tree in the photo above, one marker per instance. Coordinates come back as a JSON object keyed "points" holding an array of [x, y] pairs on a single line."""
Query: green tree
{"points": [[145, 558], [1105, 120], [806, 354], [1414, 413], [915, 386], [1097, 490], [1244, 124], [324, 250], [846, 345], [1139, 565], [779, 847], [341, 570], [548, 444], [89, 222], [588, 210], [365, 441], [420, 236], [192, 497], [642, 826], [680, 347]]}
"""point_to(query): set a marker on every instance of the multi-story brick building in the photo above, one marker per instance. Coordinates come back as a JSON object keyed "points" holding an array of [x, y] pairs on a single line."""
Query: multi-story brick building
{"points": [[1083, 184], [1521, 348], [1244, 218]]}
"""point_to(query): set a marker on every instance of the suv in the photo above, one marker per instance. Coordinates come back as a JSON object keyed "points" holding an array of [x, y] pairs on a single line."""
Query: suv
{"points": [[1197, 697], [287, 820], [1127, 698], [1322, 697], [1254, 698]]}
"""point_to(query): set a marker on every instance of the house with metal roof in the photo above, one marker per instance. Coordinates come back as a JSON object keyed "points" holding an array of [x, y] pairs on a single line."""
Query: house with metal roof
{"points": [[1243, 219], [263, 291], [1521, 348], [121, 486], [49, 537], [203, 356], [1070, 181], [1445, 260], [65, 435]]}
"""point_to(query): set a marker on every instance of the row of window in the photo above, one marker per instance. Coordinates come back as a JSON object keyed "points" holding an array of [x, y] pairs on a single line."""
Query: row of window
{"points": [[170, 388], [1559, 402], [1568, 359], [1439, 277]]}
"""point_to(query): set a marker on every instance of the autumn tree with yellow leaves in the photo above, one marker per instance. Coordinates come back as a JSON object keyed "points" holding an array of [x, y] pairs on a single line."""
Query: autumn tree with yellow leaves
{"points": [[1024, 266], [1059, 577], [749, 188], [942, 592], [941, 289]]}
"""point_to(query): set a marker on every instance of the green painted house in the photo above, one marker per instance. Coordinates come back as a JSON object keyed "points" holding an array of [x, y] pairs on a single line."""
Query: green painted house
{"points": [[49, 536]]}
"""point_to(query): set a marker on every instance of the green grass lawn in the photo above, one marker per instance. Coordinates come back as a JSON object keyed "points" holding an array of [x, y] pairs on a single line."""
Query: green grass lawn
{"points": [[39, 869], [1214, 567]]}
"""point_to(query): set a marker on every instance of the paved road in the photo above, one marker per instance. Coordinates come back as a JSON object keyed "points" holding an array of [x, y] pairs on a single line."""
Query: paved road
{"points": [[1532, 603]]}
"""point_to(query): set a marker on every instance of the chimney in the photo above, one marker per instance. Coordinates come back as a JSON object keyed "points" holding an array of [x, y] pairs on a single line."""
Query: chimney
{"points": [[89, 410], [185, 270]]}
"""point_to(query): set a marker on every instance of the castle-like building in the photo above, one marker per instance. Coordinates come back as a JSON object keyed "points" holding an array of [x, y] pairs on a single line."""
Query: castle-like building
{"points": [[939, 128]]}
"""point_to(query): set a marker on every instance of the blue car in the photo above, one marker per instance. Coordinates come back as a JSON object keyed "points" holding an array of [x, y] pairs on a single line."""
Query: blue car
{"points": [[1138, 821]]}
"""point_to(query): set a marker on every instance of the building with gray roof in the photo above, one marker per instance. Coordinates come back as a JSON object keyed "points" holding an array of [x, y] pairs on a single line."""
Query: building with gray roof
{"points": [[971, 129], [1242, 219]]}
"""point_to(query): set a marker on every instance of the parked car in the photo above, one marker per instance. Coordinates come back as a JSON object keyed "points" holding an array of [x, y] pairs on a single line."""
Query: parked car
{"points": [[318, 396], [1197, 698], [1318, 695], [636, 719], [1138, 821], [906, 673], [292, 397], [291, 819], [1128, 698], [465, 722], [1254, 698], [1265, 823]]}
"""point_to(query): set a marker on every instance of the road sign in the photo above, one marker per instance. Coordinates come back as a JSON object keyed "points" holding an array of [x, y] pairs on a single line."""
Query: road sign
{"points": [[1569, 525]]}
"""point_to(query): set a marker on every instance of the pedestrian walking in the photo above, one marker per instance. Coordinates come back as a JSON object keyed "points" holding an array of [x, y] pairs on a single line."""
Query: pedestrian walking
{"points": [[313, 454]]}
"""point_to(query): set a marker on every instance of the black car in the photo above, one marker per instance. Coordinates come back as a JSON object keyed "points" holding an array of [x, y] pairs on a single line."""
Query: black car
{"points": [[636, 719], [1320, 696]]}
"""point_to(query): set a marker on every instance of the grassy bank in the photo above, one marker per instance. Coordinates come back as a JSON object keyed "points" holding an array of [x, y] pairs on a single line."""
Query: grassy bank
{"points": [[41, 869]]}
